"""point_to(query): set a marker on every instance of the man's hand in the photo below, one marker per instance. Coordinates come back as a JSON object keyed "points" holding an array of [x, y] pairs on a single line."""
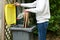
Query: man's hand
{"points": [[17, 4], [25, 11]]}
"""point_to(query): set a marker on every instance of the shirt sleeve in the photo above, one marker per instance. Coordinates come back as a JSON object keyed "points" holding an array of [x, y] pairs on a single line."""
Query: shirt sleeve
{"points": [[29, 4], [40, 7]]}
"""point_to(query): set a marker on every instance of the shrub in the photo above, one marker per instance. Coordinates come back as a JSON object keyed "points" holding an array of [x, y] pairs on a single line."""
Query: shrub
{"points": [[54, 23]]}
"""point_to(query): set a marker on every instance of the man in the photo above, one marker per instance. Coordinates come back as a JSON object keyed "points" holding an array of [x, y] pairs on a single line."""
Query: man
{"points": [[41, 8]]}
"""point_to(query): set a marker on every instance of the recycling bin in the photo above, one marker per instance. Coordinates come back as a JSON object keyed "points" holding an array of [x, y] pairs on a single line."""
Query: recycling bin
{"points": [[20, 33]]}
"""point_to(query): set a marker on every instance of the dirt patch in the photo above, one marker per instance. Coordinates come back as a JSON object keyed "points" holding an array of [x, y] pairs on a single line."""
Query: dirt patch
{"points": [[49, 37], [52, 36]]}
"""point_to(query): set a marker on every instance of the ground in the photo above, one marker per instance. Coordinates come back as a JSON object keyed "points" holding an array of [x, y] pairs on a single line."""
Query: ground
{"points": [[50, 37]]}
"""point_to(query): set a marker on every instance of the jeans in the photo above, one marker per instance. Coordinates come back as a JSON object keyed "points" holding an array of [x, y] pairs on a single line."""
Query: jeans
{"points": [[42, 29]]}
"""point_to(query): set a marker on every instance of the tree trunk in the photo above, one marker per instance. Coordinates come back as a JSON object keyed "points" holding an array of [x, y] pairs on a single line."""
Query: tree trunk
{"points": [[1, 19]]}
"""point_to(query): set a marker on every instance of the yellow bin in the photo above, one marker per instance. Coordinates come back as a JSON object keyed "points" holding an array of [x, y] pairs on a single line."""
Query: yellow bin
{"points": [[10, 14]]}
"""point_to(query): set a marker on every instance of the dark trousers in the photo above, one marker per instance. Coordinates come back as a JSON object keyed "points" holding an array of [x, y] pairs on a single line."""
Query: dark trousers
{"points": [[42, 29]]}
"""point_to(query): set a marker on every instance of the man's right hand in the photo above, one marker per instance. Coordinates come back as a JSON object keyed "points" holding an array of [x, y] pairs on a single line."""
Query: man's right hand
{"points": [[17, 4]]}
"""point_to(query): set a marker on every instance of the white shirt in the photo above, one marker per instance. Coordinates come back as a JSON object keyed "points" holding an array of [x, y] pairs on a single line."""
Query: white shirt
{"points": [[41, 8]]}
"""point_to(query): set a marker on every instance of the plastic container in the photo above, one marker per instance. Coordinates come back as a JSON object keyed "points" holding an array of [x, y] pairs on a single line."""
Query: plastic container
{"points": [[20, 33], [10, 14]]}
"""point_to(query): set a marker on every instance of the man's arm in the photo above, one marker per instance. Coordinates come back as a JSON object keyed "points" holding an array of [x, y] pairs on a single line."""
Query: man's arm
{"points": [[40, 7], [28, 4]]}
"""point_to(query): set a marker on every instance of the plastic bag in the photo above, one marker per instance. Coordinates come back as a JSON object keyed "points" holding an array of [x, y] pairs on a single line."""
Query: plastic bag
{"points": [[10, 14]]}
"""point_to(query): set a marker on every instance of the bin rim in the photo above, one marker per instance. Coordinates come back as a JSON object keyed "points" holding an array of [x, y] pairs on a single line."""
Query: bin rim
{"points": [[22, 29]]}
